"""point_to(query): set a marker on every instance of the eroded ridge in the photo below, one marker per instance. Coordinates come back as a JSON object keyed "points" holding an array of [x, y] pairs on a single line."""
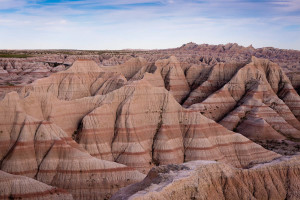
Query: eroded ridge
{"points": [[91, 130]]}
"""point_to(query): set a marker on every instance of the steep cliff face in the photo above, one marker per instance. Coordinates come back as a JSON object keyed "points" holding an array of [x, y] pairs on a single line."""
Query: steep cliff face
{"points": [[278, 179]]}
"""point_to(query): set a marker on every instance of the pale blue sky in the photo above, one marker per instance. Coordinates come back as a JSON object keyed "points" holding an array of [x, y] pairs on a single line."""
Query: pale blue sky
{"points": [[147, 24]]}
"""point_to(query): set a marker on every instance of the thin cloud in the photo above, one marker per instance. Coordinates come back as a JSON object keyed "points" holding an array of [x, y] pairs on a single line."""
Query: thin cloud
{"points": [[12, 4], [145, 23], [288, 6]]}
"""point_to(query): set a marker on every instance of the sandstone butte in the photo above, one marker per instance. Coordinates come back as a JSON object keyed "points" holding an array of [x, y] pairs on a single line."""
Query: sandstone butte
{"points": [[89, 131]]}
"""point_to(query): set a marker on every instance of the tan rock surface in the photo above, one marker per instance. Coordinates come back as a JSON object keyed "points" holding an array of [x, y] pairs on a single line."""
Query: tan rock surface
{"points": [[21, 70], [218, 76], [279, 179], [260, 95], [173, 77], [40, 149], [140, 126], [21, 187], [93, 129]]}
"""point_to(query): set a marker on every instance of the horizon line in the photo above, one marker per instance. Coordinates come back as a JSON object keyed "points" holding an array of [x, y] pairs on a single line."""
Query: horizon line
{"points": [[144, 49]]}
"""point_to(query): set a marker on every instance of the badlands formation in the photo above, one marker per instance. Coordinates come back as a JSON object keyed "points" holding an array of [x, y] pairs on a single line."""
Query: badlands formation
{"points": [[211, 180], [195, 122]]}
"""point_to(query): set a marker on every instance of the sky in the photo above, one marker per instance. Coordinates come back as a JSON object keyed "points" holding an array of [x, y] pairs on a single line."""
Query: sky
{"points": [[147, 24]]}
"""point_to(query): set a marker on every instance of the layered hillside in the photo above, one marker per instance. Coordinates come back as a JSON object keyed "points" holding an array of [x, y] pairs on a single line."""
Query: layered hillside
{"points": [[91, 130], [20, 187], [21, 67], [37, 148], [210, 180], [257, 100]]}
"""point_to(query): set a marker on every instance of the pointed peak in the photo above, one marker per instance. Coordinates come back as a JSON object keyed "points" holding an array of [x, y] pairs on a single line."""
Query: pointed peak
{"points": [[83, 66], [256, 60], [253, 58], [167, 61], [250, 47], [136, 60]]}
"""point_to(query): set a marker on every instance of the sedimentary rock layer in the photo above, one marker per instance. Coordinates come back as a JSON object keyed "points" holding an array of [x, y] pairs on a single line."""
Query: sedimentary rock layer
{"points": [[41, 150], [279, 179], [17, 70], [92, 130], [258, 96], [141, 126], [21, 187]]}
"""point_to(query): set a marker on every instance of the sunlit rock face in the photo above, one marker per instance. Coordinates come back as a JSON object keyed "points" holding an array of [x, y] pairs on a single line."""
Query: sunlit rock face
{"points": [[89, 130]]}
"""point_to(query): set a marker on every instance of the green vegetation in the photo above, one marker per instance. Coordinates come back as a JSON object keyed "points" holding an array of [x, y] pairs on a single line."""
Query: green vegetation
{"points": [[37, 53], [14, 56], [75, 135], [10, 84]]}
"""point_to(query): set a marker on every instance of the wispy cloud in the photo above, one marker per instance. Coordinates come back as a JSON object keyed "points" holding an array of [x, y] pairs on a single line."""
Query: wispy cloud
{"points": [[147, 23], [288, 6], [10, 4]]}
